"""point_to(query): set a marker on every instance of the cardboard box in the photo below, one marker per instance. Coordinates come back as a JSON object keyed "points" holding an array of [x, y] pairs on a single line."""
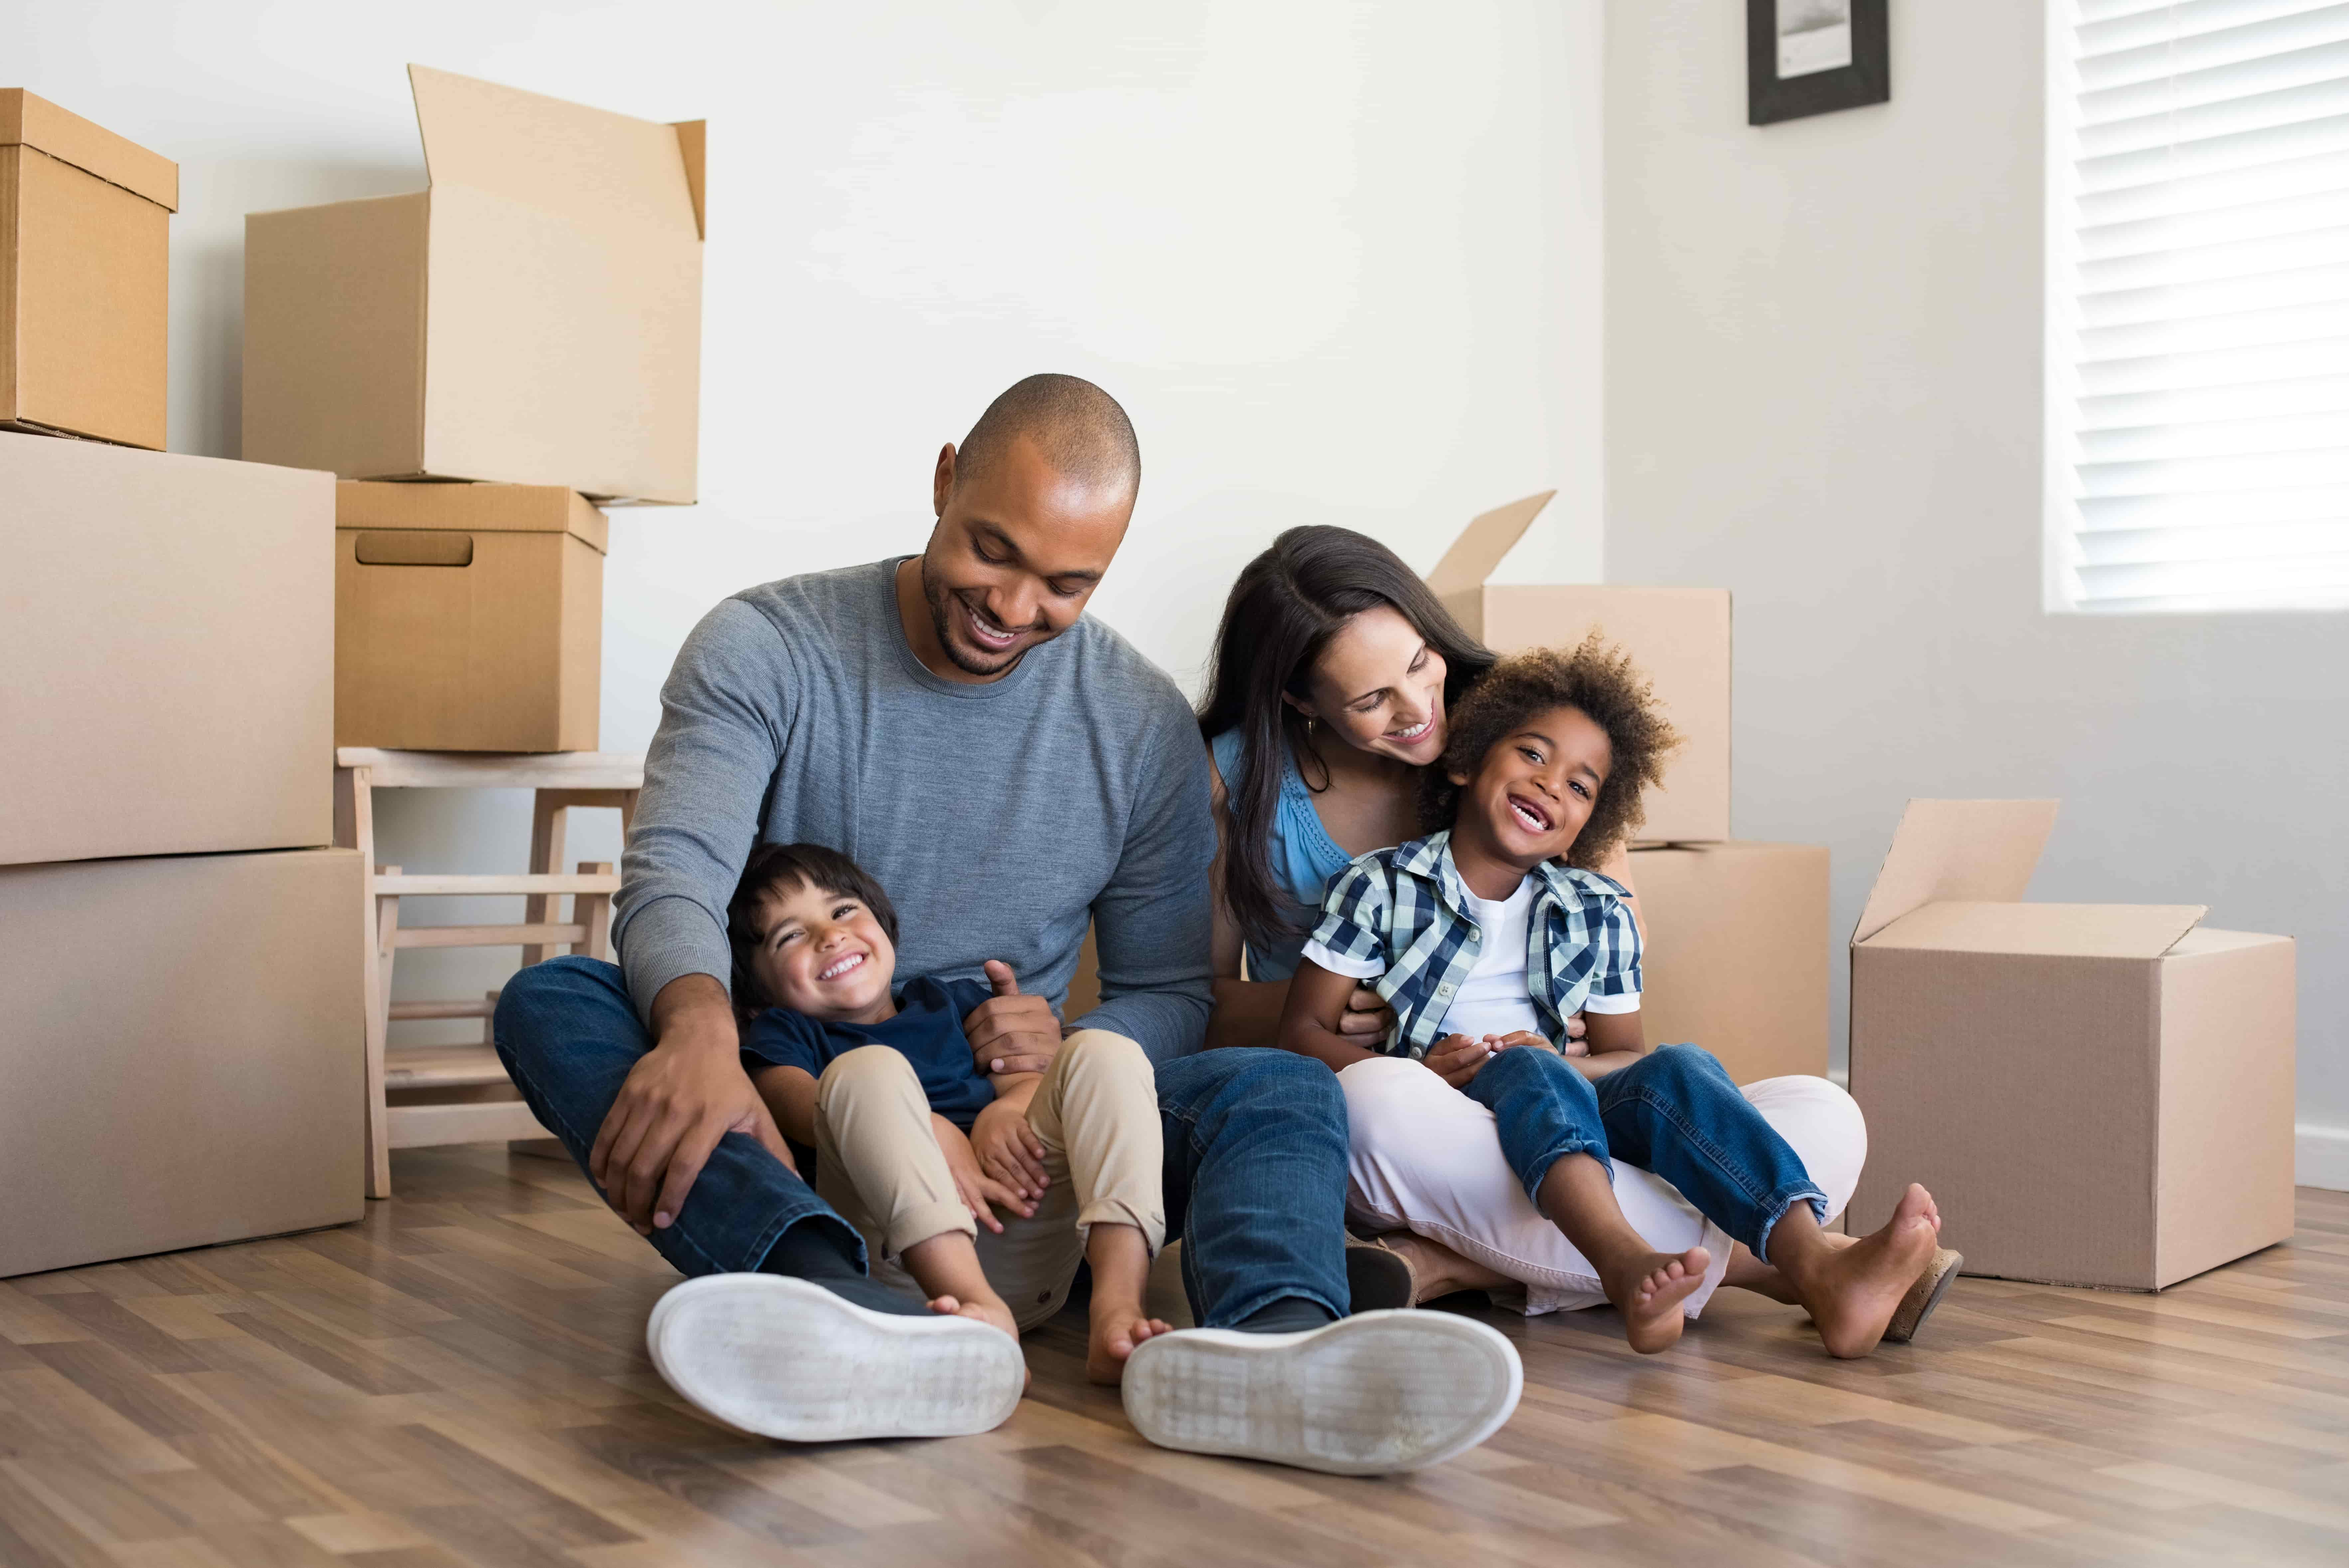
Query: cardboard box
{"points": [[468, 617], [167, 627], [1679, 637], [2095, 1094], [535, 316], [85, 276], [182, 1053], [1736, 953]]}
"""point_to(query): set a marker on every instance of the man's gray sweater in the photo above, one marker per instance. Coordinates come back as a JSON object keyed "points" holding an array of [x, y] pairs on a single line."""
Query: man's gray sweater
{"points": [[998, 818]]}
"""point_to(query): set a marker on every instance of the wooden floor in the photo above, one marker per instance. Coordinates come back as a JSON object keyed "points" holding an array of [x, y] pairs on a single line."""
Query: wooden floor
{"points": [[460, 1379]]}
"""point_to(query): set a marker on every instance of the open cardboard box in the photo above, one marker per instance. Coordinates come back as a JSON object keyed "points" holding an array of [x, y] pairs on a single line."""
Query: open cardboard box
{"points": [[2095, 1094], [85, 276], [1735, 957], [468, 617], [1678, 637], [167, 624], [535, 316]]}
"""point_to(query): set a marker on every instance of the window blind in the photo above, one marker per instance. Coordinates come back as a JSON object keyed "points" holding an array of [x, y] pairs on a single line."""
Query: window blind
{"points": [[2199, 322]]}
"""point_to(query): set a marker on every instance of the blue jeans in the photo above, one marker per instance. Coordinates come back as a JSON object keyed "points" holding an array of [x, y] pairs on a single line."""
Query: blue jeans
{"points": [[1674, 1112], [1255, 1171]]}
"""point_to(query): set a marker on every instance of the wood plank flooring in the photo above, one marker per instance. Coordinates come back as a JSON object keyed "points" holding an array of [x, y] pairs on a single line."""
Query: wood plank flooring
{"points": [[460, 1378]]}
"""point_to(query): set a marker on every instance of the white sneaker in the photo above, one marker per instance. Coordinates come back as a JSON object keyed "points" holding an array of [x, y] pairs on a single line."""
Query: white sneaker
{"points": [[1376, 1392], [788, 1359]]}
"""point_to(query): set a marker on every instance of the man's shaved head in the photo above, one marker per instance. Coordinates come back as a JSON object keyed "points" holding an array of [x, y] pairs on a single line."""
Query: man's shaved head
{"points": [[1074, 425]]}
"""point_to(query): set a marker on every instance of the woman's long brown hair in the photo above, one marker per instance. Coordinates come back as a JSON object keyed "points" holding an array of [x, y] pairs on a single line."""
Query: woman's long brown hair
{"points": [[1284, 609]]}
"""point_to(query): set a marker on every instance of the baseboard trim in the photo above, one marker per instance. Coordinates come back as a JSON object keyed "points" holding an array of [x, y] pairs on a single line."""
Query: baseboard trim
{"points": [[2320, 1157]]}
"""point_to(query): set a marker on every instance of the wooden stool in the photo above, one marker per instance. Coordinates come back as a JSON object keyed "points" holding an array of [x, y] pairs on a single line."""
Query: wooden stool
{"points": [[418, 1095]]}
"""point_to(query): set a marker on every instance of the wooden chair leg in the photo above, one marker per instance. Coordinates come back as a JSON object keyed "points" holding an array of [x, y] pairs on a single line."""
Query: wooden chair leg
{"points": [[593, 910], [549, 818], [382, 948]]}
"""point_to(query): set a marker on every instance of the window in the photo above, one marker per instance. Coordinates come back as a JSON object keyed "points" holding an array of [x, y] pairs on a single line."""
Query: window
{"points": [[2198, 323]]}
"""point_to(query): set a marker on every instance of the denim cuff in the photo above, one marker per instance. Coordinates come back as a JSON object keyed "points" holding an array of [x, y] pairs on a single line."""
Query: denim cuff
{"points": [[1775, 1210], [1534, 1170]]}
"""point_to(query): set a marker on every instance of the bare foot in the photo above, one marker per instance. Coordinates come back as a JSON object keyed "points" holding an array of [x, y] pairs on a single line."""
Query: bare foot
{"points": [[1648, 1289], [1117, 1327], [1851, 1293], [1436, 1270], [988, 1310]]}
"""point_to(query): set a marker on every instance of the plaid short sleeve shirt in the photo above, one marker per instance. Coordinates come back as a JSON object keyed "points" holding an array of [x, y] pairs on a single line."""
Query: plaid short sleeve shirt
{"points": [[1406, 907]]}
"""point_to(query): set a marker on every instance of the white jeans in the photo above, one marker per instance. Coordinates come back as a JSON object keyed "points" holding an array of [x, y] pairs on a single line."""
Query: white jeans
{"points": [[1426, 1159]]}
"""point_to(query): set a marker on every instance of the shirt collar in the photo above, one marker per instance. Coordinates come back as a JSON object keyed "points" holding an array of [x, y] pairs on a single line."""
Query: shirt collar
{"points": [[1430, 859]]}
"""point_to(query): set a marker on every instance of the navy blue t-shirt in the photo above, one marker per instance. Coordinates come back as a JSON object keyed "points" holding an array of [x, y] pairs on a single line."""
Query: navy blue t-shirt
{"points": [[927, 1031]]}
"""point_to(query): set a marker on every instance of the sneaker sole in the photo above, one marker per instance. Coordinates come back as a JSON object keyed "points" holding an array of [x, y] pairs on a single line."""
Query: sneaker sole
{"points": [[783, 1358], [1368, 1395]]}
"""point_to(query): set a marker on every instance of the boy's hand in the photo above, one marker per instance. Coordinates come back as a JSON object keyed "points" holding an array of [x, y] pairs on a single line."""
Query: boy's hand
{"points": [[1010, 1033], [1007, 1147], [977, 1189], [1456, 1059], [1365, 1014]]}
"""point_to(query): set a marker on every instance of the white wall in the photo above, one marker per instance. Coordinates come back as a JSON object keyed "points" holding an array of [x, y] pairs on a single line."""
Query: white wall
{"points": [[1823, 390], [1341, 262]]}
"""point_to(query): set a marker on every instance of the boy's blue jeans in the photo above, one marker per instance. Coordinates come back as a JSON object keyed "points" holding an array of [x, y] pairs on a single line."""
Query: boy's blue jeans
{"points": [[1674, 1112], [1255, 1171]]}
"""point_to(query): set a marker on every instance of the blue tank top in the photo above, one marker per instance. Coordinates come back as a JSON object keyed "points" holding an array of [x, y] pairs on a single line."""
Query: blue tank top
{"points": [[1302, 856]]}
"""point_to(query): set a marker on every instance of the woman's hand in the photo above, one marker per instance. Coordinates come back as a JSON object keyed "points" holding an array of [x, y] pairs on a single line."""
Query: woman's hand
{"points": [[1573, 1046], [1006, 1148], [1575, 1029], [978, 1190], [1367, 1017], [1456, 1059]]}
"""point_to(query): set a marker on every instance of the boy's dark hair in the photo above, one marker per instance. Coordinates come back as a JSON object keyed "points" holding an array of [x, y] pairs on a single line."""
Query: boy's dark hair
{"points": [[1598, 677], [772, 866]]}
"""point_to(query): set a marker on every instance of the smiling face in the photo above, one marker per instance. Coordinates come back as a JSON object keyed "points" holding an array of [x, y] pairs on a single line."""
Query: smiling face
{"points": [[1018, 550], [823, 953], [1379, 686], [1535, 788]]}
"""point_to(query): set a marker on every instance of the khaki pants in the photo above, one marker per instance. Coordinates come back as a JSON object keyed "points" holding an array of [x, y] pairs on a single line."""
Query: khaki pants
{"points": [[1096, 1113]]}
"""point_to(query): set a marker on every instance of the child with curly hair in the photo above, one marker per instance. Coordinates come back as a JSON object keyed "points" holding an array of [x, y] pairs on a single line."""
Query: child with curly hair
{"points": [[1488, 933]]}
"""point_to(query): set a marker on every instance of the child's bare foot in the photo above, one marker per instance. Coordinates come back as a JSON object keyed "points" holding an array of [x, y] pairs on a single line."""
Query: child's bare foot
{"points": [[1851, 1291], [1648, 1288], [1117, 1327]]}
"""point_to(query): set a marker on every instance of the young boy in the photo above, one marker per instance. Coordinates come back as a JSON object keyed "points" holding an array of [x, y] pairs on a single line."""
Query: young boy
{"points": [[914, 1146], [1487, 935]]}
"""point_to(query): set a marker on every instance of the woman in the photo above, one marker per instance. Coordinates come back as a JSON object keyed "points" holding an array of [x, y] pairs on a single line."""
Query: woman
{"points": [[1332, 676]]}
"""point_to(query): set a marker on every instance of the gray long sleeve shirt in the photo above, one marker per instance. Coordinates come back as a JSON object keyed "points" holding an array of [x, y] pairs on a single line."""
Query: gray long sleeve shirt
{"points": [[999, 818]]}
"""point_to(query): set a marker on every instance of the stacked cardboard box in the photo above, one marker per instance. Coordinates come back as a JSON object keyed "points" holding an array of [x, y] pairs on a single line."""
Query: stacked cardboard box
{"points": [[1737, 932], [180, 978], [531, 324]]}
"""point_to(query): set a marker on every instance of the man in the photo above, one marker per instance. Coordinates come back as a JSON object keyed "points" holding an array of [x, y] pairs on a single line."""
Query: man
{"points": [[1007, 771]]}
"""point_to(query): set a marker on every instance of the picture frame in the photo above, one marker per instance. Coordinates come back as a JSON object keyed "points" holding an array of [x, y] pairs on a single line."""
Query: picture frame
{"points": [[1813, 56]]}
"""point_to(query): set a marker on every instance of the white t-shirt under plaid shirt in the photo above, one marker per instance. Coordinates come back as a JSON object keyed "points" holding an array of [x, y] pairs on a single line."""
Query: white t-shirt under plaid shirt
{"points": [[1402, 919]]}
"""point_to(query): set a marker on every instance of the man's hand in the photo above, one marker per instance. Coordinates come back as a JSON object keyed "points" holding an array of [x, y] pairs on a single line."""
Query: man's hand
{"points": [[1007, 1147], [1365, 1014], [978, 1190], [679, 1099], [1456, 1059], [1010, 1033]]}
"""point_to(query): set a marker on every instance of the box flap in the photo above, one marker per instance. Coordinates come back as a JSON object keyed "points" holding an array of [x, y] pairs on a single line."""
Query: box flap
{"points": [[2045, 930], [693, 143], [607, 173], [32, 121], [471, 508], [1961, 850], [1477, 552]]}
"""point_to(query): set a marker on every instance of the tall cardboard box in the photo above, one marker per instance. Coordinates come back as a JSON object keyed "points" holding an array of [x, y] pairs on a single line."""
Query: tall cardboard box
{"points": [[468, 617], [1679, 637], [2095, 1094], [533, 317], [85, 276], [167, 631], [181, 1053], [1736, 958]]}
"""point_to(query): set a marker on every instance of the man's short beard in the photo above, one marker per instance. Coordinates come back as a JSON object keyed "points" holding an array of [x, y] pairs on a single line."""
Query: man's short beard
{"points": [[942, 602]]}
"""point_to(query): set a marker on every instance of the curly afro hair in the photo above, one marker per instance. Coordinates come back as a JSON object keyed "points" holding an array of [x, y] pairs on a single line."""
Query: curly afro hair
{"points": [[1598, 677]]}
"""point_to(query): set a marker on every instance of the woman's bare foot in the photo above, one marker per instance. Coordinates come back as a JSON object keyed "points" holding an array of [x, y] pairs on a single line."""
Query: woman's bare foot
{"points": [[1117, 1327], [989, 1310], [1436, 1270], [1648, 1289], [1851, 1291]]}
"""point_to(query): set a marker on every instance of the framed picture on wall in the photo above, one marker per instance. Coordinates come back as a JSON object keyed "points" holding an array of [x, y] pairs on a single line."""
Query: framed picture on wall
{"points": [[1810, 56]]}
